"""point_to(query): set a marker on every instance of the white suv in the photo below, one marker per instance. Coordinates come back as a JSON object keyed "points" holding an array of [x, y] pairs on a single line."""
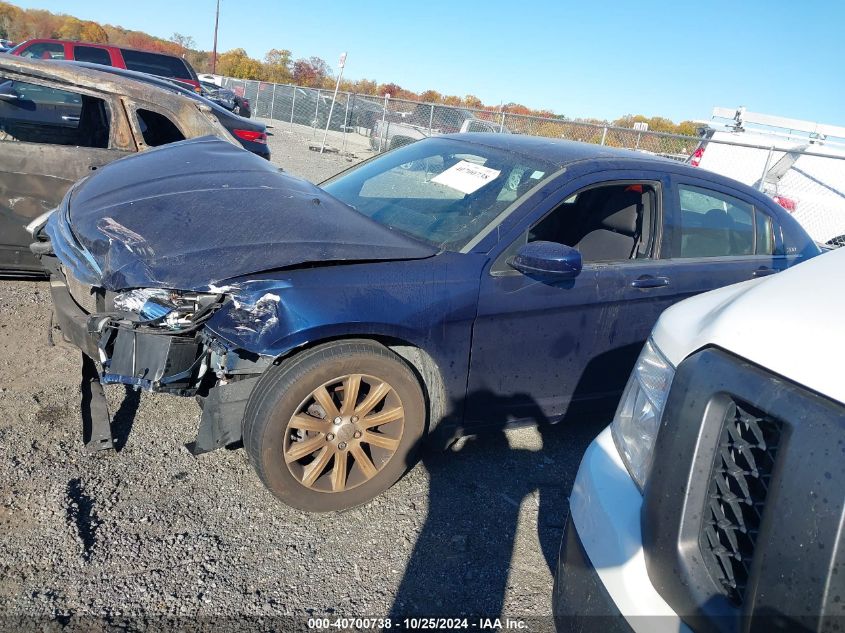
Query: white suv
{"points": [[715, 499]]}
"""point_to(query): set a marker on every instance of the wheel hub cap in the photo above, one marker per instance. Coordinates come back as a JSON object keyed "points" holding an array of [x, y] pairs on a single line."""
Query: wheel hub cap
{"points": [[344, 433]]}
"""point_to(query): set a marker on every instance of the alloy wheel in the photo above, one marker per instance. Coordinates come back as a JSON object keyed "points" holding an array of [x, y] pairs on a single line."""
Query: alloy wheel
{"points": [[344, 433]]}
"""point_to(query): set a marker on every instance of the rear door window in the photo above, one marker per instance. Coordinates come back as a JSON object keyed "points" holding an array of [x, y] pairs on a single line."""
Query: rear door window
{"points": [[714, 224], [157, 128], [92, 54], [156, 64], [44, 50]]}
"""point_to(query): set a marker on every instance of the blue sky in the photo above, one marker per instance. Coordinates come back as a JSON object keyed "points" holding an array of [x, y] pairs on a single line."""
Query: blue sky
{"points": [[601, 59]]}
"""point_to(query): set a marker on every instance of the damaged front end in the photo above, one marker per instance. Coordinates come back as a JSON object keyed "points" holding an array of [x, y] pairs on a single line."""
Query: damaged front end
{"points": [[154, 340], [151, 339], [134, 253]]}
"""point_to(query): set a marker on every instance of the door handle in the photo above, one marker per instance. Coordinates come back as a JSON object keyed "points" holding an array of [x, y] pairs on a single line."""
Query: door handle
{"points": [[71, 119], [763, 272], [647, 281]]}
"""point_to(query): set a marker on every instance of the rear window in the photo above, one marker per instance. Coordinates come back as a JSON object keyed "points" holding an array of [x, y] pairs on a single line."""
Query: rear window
{"points": [[156, 64], [92, 54]]}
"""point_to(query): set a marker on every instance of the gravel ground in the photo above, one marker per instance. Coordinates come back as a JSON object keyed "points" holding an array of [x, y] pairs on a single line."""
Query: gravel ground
{"points": [[289, 147], [148, 536]]}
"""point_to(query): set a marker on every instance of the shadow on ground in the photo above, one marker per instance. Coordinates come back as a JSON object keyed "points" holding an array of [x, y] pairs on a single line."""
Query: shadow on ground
{"points": [[463, 556]]}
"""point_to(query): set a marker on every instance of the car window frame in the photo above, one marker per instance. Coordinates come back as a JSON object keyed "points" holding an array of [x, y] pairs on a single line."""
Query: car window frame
{"points": [[112, 111], [132, 108], [35, 42], [106, 49], [184, 64], [497, 267], [674, 234]]}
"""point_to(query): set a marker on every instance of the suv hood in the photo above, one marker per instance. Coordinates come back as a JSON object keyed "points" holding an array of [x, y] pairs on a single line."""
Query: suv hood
{"points": [[789, 323], [194, 213]]}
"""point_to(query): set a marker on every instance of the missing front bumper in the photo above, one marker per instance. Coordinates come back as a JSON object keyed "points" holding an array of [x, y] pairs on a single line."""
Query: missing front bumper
{"points": [[154, 362]]}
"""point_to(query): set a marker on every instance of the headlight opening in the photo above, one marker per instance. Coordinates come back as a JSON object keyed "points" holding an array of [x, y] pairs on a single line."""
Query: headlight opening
{"points": [[637, 420]]}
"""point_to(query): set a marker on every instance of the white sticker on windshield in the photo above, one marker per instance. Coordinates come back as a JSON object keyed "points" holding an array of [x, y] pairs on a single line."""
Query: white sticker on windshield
{"points": [[537, 175], [466, 177]]}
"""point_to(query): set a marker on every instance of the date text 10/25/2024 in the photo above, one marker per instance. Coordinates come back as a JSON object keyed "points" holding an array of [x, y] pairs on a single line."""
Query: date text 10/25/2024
{"points": [[417, 624]]}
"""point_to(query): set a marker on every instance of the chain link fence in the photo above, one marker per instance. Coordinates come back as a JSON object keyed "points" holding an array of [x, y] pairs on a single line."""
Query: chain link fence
{"points": [[807, 178]]}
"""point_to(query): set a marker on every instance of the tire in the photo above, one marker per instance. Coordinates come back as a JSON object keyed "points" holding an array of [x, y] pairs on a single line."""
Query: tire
{"points": [[304, 456]]}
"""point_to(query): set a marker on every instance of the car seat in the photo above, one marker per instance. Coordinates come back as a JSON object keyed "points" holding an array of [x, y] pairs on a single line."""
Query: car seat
{"points": [[617, 229]]}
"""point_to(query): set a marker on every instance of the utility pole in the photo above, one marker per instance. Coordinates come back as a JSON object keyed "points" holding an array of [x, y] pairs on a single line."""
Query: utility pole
{"points": [[214, 50], [341, 64]]}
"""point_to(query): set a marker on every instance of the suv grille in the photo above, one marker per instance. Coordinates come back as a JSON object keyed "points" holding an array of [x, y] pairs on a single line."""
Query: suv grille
{"points": [[739, 483]]}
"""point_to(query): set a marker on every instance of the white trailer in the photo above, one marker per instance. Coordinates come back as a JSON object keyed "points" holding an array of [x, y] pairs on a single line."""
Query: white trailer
{"points": [[800, 164]]}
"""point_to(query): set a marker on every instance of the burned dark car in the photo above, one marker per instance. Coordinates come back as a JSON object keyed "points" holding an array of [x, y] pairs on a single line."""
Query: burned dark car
{"points": [[59, 123], [451, 284]]}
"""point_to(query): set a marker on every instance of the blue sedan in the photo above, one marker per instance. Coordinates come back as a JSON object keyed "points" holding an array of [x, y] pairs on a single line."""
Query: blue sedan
{"points": [[457, 283]]}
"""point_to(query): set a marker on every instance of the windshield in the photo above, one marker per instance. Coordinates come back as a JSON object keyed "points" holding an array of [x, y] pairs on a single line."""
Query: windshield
{"points": [[443, 192]]}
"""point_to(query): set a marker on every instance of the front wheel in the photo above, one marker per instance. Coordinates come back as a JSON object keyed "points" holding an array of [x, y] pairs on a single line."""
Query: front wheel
{"points": [[334, 426]]}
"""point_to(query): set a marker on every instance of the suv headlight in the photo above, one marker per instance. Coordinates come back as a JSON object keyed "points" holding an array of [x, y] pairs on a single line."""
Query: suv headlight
{"points": [[637, 418]]}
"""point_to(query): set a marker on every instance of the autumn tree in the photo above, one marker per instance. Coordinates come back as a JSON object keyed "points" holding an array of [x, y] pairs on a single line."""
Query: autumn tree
{"points": [[199, 60], [277, 64], [185, 42], [516, 108], [391, 89], [431, 96], [11, 18], [236, 63], [471, 101], [688, 128], [363, 86], [39, 23], [70, 29], [93, 32], [310, 72]]}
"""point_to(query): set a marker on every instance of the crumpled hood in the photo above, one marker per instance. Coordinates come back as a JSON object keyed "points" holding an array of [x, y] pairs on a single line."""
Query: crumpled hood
{"points": [[194, 213]]}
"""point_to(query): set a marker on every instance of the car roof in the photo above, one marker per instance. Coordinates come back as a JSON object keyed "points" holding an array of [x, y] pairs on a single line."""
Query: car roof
{"points": [[87, 76], [558, 151], [163, 83], [563, 152], [97, 44], [158, 80]]}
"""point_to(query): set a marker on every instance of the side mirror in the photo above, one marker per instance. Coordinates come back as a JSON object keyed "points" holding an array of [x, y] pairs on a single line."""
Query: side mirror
{"points": [[547, 258]]}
